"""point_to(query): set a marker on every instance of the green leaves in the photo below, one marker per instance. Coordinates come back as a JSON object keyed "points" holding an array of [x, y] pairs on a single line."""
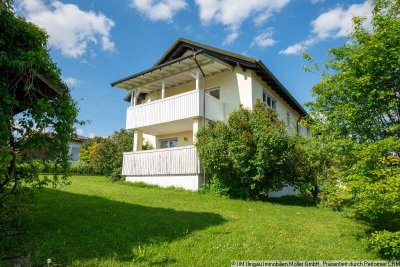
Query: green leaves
{"points": [[248, 155]]}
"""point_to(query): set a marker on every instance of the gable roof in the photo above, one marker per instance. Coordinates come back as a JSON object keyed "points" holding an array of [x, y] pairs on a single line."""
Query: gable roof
{"points": [[178, 50]]}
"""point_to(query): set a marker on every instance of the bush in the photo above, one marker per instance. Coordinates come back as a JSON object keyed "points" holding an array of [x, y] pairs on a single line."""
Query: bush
{"points": [[387, 244], [107, 158], [214, 187], [83, 168], [248, 155], [368, 179]]}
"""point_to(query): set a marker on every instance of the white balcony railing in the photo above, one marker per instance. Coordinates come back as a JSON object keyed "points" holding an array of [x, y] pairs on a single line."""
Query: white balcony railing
{"points": [[178, 107], [168, 161]]}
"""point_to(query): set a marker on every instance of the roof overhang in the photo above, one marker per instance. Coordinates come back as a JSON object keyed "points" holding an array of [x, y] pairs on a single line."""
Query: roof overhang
{"points": [[173, 73]]}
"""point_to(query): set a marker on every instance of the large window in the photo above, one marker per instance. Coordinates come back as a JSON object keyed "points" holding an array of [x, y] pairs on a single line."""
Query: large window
{"points": [[267, 99], [170, 142], [215, 92]]}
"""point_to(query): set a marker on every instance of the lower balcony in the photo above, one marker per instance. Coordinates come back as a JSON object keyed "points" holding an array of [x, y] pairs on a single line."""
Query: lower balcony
{"points": [[162, 162]]}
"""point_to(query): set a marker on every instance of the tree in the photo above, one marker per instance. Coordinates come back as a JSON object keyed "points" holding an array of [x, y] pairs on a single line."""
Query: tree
{"points": [[108, 153], [247, 156], [359, 95], [310, 161], [357, 109], [36, 108]]}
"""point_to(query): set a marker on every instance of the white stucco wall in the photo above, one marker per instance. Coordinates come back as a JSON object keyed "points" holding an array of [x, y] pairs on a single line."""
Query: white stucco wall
{"points": [[189, 182]]}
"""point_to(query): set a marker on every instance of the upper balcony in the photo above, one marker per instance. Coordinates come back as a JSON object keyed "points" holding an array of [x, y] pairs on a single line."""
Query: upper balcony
{"points": [[162, 94], [178, 107]]}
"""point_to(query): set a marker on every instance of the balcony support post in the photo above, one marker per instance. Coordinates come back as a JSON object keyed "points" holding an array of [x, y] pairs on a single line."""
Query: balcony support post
{"points": [[132, 96], [137, 140], [162, 88], [197, 125]]}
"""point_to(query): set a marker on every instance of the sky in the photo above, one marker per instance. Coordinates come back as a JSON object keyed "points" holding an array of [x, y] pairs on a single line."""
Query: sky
{"points": [[96, 42]]}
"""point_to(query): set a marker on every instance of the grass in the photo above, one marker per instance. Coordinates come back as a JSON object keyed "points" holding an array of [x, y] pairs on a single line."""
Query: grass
{"points": [[94, 222]]}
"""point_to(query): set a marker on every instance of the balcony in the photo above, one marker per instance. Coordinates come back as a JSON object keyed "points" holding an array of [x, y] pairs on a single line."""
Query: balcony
{"points": [[161, 162], [174, 108]]}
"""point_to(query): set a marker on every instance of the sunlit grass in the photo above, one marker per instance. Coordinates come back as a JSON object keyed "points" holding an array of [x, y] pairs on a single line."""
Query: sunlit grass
{"points": [[94, 222]]}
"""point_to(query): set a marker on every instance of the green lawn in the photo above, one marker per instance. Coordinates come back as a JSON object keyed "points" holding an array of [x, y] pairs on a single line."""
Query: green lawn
{"points": [[94, 222]]}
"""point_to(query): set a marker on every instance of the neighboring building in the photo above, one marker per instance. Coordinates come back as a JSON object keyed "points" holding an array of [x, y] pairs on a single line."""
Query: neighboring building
{"points": [[75, 146], [168, 106]]}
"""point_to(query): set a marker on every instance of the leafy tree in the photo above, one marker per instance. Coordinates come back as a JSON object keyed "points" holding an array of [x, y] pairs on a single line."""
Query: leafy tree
{"points": [[310, 162], [29, 121], [248, 155], [108, 153], [357, 108], [359, 94]]}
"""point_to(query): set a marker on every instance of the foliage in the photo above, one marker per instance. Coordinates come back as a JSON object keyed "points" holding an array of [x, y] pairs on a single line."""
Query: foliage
{"points": [[215, 187], [310, 162], [357, 110], [108, 153], [82, 168], [386, 244], [248, 155], [369, 177], [42, 123], [88, 148], [358, 95]]}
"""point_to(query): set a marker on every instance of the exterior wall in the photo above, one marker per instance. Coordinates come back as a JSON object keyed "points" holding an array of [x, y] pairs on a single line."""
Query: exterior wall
{"points": [[282, 107], [181, 138], [189, 182]]}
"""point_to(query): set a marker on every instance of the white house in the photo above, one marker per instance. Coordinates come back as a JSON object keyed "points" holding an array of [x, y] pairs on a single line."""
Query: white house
{"points": [[191, 84]]}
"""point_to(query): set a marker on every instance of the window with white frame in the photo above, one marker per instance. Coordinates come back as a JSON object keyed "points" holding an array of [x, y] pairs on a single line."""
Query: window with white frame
{"points": [[267, 99], [215, 92], [170, 142]]}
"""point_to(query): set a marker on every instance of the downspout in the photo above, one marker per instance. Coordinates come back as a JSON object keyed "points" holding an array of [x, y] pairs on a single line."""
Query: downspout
{"points": [[204, 99], [204, 89]]}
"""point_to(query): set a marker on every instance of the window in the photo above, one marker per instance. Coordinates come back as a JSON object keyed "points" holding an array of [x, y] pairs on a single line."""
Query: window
{"points": [[267, 99], [288, 120], [214, 92], [75, 153], [166, 143]]}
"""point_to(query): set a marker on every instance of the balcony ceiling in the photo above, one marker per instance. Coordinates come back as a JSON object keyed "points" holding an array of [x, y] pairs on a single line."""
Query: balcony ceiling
{"points": [[173, 73]]}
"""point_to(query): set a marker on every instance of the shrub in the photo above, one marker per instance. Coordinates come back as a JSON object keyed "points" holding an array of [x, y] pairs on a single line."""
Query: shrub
{"points": [[83, 168], [215, 187], [387, 244], [249, 154], [310, 162], [108, 154], [368, 179]]}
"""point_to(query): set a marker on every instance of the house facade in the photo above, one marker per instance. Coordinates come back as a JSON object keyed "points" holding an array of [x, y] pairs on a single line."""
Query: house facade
{"points": [[190, 85]]}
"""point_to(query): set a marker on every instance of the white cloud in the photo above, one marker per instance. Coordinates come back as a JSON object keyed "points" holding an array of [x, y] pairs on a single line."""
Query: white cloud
{"points": [[316, 1], [91, 135], [332, 24], [231, 37], [338, 22], [232, 13], [159, 9], [80, 131], [264, 39], [71, 81], [298, 48], [70, 28]]}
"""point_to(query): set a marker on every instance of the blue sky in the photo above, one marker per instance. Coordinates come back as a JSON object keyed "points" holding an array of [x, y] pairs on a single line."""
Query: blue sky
{"points": [[97, 42]]}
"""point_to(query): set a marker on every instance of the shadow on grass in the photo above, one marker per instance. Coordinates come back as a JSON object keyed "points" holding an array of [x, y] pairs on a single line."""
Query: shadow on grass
{"points": [[69, 227], [297, 200]]}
